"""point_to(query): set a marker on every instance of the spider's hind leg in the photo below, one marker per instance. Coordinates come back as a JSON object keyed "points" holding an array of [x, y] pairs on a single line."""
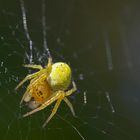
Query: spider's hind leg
{"points": [[70, 106], [53, 111], [69, 92]]}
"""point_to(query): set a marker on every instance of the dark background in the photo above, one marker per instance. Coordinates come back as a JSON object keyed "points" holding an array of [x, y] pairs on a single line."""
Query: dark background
{"points": [[101, 42]]}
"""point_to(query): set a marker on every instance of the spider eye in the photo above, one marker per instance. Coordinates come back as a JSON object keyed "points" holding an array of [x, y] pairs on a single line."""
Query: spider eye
{"points": [[40, 92]]}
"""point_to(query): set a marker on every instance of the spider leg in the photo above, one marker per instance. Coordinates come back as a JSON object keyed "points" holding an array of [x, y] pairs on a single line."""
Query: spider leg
{"points": [[26, 97], [40, 78], [49, 101], [33, 66], [28, 77], [49, 65], [69, 105], [69, 92], [53, 111], [49, 61]]}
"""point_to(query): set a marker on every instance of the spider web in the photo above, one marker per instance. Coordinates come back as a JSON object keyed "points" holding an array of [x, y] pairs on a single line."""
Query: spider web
{"points": [[30, 33]]}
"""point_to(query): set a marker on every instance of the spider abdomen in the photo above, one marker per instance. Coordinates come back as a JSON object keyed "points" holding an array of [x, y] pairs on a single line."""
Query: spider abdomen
{"points": [[60, 76]]}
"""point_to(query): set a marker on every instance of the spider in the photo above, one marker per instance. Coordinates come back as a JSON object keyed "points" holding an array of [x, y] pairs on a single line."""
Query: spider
{"points": [[46, 86]]}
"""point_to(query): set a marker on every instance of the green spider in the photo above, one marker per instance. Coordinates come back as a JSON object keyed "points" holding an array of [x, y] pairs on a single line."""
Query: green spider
{"points": [[46, 86]]}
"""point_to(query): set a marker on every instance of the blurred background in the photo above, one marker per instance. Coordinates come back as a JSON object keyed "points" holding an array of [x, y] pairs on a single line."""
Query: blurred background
{"points": [[101, 42]]}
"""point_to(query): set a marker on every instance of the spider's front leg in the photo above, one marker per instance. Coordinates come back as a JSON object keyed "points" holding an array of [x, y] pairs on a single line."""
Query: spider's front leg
{"points": [[28, 77], [31, 76], [49, 61], [49, 65], [33, 66]]}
